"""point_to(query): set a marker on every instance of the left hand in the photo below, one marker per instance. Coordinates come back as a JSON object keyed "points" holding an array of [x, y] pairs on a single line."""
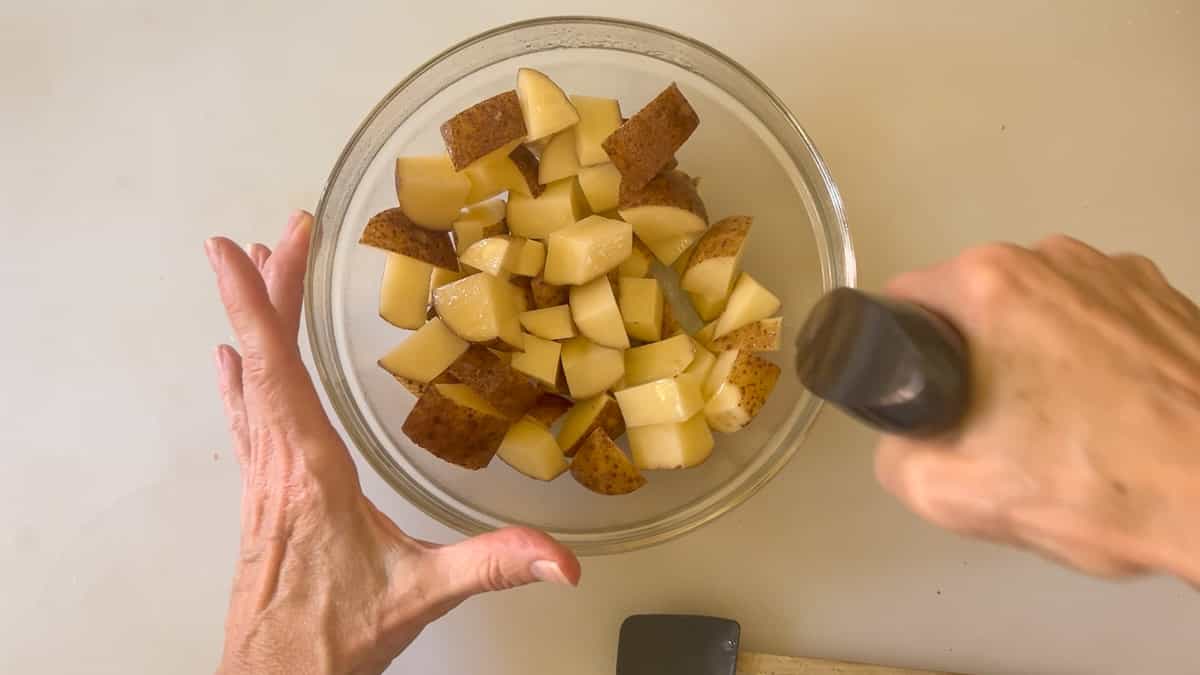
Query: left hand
{"points": [[325, 582]]}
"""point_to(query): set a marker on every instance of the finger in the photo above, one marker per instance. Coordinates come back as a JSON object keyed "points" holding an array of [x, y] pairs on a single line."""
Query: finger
{"points": [[286, 269], [229, 369], [1063, 249], [498, 560], [1141, 267], [260, 255], [971, 284]]}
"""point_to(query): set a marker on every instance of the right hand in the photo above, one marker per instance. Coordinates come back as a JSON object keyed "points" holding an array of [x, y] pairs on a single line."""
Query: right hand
{"points": [[1082, 440]]}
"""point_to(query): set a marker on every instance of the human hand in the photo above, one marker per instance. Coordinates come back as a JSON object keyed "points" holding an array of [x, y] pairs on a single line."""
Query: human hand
{"points": [[1082, 440], [325, 582]]}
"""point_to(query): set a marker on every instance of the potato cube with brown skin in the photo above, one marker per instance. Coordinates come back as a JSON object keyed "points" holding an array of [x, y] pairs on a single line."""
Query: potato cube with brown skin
{"points": [[661, 401], [546, 294], [668, 206], [670, 325], [482, 220], [641, 306], [529, 259], [598, 119], [510, 392], [708, 308], [561, 204], [716, 260], [548, 409], [590, 368], [601, 467], [674, 445], [737, 386], [404, 292], [658, 360], [483, 128], [393, 231], [539, 360], [543, 104], [559, 160], [596, 314], [639, 263], [671, 249], [601, 184], [529, 448], [425, 354], [511, 168], [480, 308], [587, 249], [760, 336], [701, 364], [417, 388], [587, 415], [550, 323], [429, 190], [646, 143], [457, 425], [493, 255], [749, 302], [522, 294]]}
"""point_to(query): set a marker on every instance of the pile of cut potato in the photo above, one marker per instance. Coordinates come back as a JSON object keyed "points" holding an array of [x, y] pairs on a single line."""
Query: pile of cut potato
{"points": [[541, 333]]}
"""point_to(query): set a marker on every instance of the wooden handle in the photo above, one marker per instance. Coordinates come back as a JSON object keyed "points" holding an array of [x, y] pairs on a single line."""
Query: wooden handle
{"points": [[753, 663]]}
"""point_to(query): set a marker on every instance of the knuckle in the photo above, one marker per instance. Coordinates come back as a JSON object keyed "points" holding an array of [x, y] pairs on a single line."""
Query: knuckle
{"points": [[1060, 242], [992, 273], [492, 576]]}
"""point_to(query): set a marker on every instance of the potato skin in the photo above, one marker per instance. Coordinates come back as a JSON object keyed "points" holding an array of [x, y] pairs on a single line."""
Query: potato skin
{"points": [[608, 420], [670, 188], [548, 295], [756, 377], [601, 467], [509, 391], [548, 408], [723, 239], [760, 336], [454, 433], [482, 128], [393, 231], [646, 143], [527, 164]]}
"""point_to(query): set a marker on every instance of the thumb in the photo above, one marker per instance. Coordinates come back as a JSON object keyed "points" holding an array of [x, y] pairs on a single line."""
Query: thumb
{"points": [[514, 556]]}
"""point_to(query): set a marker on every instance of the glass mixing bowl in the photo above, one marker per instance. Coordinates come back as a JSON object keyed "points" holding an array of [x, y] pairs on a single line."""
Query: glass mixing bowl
{"points": [[753, 158]]}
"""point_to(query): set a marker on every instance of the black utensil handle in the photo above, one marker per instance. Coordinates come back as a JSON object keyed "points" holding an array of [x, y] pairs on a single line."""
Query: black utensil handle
{"points": [[896, 366]]}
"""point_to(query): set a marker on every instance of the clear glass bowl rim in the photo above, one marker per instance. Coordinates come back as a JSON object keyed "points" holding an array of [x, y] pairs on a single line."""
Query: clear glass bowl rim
{"points": [[839, 268]]}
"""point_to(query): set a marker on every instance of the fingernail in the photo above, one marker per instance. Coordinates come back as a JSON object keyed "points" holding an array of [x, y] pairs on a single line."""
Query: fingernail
{"points": [[219, 355], [212, 251], [298, 221], [550, 572]]}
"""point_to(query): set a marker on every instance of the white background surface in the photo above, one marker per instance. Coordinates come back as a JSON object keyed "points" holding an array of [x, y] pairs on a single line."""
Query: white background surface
{"points": [[130, 131]]}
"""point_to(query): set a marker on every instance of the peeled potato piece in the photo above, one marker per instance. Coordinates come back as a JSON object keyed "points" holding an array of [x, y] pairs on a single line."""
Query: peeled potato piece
{"points": [[561, 204], [480, 308], [587, 249], [550, 323], [480, 221], [595, 312], [601, 185], [749, 302], [601, 467], [492, 255], [590, 369], [670, 249], [668, 206], [639, 262], [641, 304], [511, 168], [674, 445], [529, 448], [404, 292], [529, 259], [430, 192], [543, 104], [666, 400], [558, 160], [598, 119], [425, 354], [539, 360], [716, 260], [659, 360]]}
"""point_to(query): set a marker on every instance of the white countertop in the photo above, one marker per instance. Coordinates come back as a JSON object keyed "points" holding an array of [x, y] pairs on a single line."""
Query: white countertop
{"points": [[130, 131]]}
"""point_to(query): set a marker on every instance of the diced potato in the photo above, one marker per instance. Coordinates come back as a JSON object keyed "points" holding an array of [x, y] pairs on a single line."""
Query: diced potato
{"points": [[760, 336], [522, 293], [598, 119], [661, 401], [670, 325], [587, 249], [539, 360], [659, 360], [425, 354], [595, 312], [480, 308], [670, 249], [601, 467], [529, 448], [483, 128], [550, 323], [737, 386], [558, 158], [669, 206], [590, 369], [507, 390], [561, 204], [529, 259], [543, 104], [701, 365], [392, 231], [705, 335], [716, 260], [455, 424], [509, 168], [546, 294], [587, 415], [431, 193], [675, 445], [601, 184], [493, 255], [641, 307], [639, 262], [404, 292], [708, 308], [442, 276], [646, 143], [482, 220], [548, 409], [749, 302]]}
